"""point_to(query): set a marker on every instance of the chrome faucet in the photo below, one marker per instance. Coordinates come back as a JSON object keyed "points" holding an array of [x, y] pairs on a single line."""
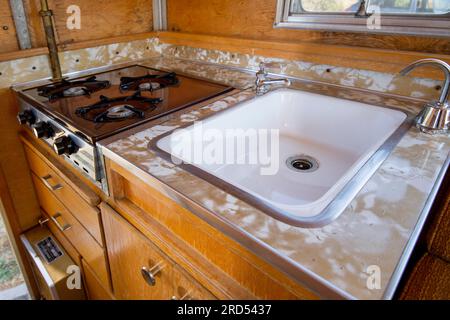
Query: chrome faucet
{"points": [[435, 116], [263, 82]]}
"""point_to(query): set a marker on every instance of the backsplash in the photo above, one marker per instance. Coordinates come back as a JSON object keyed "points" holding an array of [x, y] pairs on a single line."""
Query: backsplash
{"points": [[363, 79], [33, 68]]}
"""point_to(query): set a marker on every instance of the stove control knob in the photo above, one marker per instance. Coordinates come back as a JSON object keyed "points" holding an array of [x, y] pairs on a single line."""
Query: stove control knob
{"points": [[25, 117], [64, 145], [43, 130]]}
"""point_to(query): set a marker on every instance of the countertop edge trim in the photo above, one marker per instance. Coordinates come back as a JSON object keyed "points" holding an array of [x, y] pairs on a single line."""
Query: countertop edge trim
{"points": [[404, 258]]}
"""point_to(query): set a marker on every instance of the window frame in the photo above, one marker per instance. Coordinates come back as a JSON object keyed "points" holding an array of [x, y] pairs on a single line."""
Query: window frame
{"points": [[414, 24]]}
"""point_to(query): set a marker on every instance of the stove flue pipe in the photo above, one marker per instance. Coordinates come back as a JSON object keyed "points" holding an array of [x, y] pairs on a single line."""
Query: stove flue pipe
{"points": [[47, 18]]}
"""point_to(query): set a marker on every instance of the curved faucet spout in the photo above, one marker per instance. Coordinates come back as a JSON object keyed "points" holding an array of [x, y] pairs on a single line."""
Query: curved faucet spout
{"points": [[433, 63]]}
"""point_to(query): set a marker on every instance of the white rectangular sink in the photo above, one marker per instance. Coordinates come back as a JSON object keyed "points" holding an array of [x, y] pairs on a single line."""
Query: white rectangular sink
{"points": [[338, 143]]}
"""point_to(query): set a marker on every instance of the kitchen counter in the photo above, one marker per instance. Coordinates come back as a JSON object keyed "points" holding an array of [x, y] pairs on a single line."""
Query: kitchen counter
{"points": [[379, 227]]}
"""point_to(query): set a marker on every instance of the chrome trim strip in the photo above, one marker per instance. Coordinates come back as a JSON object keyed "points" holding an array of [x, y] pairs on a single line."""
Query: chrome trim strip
{"points": [[401, 265], [159, 15], [333, 210], [20, 21]]}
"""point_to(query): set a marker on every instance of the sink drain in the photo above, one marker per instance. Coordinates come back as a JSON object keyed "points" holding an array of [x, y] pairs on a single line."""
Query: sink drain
{"points": [[302, 163]]}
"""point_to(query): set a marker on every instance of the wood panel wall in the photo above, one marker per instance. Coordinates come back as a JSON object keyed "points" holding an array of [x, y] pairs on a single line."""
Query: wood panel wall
{"points": [[8, 37], [253, 19], [99, 19]]}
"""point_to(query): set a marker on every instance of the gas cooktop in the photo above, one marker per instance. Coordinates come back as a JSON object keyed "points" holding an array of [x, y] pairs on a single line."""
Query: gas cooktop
{"points": [[99, 106], [72, 115]]}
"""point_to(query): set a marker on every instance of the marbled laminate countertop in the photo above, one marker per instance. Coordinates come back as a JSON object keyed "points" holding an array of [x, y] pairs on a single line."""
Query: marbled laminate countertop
{"points": [[378, 228]]}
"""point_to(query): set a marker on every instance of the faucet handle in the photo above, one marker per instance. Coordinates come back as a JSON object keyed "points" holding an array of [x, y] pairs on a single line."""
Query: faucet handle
{"points": [[264, 65], [262, 68]]}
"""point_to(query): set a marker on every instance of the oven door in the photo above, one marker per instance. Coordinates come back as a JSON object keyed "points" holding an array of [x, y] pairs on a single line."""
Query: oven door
{"points": [[58, 277]]}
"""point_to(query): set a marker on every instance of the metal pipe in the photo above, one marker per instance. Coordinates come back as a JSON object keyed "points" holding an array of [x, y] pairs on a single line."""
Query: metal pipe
{"points": [[47, 15]]}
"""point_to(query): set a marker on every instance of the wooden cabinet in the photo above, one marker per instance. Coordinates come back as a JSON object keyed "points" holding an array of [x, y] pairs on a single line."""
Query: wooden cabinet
{"points": [[146, 246], [70, 211], [82, 201], [219, 264], [139, 270], [72, 229]]}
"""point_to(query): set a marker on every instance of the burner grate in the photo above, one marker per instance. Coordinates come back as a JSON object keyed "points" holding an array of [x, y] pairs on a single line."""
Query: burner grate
{"points": [[118, 109], [149, 82], [66, 89]]}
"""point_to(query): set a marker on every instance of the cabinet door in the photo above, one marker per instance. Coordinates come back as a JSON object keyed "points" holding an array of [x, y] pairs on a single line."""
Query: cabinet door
{"points": [[138, 269], [186, 288], [95, 289]]}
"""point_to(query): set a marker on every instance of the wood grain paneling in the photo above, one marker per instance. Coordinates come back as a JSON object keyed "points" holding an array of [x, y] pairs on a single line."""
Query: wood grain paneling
{"points": [[14, 164], [99, 19], [34, 20], [128, 253], [95, 289], [8, 37], [254, 19]]}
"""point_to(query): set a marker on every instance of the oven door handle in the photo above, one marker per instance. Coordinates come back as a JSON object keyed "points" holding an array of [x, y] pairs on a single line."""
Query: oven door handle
{"points": [[46, 179]]}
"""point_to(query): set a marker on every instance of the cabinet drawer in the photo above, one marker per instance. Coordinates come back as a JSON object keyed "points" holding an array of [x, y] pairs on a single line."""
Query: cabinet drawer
{"points": [[95, 289], [87, 215], [76, 234]]}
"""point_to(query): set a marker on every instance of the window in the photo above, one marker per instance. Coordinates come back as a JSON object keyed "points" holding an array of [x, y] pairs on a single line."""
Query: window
{"points": [[419, 17]]}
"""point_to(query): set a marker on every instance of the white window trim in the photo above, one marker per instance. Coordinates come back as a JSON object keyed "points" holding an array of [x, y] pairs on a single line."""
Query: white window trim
{"points": [[390, 23]]}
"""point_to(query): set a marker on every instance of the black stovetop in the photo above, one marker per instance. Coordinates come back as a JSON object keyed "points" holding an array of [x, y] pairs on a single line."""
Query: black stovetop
{"points": [[117, 100]]}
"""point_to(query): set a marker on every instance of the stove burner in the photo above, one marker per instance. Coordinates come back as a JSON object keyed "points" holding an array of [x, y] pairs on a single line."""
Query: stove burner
{"points": [[149, 82], [75, 91], [149, 86], [118, 109], [64, 88], [120, 112]]}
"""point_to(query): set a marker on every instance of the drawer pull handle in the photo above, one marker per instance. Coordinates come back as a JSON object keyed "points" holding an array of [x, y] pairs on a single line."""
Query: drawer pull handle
{"points": [[149, 275], [63, 227], [48, 185], [186, 296], [43, 221]]}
